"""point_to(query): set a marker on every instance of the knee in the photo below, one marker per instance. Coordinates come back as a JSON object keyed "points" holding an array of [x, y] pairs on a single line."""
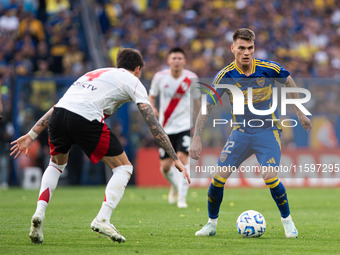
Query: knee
{"points": [[269, 175], [165, 168], [59, 167], [183, 157], [166, 165]]}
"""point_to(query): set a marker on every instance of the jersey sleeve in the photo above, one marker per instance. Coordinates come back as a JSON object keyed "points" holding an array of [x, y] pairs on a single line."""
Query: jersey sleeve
{"points": [[154, 88], [282, 75], [138, 93]]}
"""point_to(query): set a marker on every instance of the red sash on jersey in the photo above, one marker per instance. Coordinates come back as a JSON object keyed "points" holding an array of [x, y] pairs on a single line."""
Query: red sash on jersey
{"points": [[181, 90]]}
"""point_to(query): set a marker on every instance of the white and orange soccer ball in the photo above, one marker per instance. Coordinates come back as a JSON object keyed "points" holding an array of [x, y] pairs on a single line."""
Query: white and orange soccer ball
{"points": [[251, 224]]}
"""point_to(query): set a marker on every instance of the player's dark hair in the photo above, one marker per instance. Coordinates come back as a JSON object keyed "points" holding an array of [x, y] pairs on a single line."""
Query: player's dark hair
{"points": [[177, 49], [244, 34], [129, 59]]}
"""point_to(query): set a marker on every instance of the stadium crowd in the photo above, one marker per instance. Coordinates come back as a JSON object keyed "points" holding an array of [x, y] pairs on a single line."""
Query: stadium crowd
{"points": [[45, 38]]}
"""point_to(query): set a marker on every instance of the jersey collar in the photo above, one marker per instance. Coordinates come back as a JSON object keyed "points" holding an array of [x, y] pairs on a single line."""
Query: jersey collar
{"points": [[252, 68]]}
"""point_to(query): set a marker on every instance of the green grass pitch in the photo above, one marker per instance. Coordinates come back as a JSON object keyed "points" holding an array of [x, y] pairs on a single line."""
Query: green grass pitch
{"points": [[152, 226]]}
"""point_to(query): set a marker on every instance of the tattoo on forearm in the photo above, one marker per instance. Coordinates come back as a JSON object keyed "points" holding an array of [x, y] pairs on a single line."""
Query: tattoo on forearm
{"points": [[202, 120], [157, 130], [43, 122]]}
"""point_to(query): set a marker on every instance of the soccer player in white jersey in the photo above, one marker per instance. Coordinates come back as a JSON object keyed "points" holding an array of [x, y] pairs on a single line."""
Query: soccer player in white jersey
{"points": [[78, 118], [172, 85]]}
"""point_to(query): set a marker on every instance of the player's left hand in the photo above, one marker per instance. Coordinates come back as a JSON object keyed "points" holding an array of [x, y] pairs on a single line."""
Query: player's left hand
{"points": [[195, 148], [305, 122], [21, 144]]}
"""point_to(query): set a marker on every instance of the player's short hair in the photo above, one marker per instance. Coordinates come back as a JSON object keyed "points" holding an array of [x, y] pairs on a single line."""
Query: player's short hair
{"points": [[244, 34], [176, 49], [129, 59]]}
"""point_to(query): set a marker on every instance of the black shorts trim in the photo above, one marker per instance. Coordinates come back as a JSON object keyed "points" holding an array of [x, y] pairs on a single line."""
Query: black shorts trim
{"points": [[180, 142]]}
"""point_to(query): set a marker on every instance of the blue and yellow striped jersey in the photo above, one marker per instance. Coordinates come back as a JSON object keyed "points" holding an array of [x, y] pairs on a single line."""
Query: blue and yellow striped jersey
{"points": [[261, 80]]}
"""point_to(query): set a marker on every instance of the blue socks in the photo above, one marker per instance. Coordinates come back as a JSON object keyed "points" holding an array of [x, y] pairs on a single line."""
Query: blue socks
{"points": [[278, 191], [215, 196], [216, 189]]}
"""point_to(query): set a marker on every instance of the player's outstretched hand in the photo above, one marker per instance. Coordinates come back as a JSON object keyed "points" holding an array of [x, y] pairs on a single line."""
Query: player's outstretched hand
{"points": [[181, 168], [21, 144], [305, 122], [195, 148]]}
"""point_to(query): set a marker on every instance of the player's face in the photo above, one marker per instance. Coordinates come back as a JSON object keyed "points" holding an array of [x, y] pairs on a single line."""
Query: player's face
{"points": [[243, 51], [176, 61]]}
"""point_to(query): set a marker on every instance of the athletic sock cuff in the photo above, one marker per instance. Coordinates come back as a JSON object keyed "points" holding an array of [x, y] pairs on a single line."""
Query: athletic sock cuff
{"points": [[218, 181], [127, 168], [60, 168], [273, 182]]}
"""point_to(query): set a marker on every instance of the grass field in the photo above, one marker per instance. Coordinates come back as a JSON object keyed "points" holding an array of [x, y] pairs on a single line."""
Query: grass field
{"points": [[151, 226]]}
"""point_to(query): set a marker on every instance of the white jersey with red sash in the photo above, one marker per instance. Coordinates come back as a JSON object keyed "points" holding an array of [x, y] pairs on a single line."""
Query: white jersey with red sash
{"points": [[174, 109], [99, 93]]}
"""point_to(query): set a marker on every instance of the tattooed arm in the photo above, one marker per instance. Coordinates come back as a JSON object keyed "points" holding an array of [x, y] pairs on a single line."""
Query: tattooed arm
{"points": [[157, 130], [160, 136], [42, 123], [196, 145], [24, 142]]}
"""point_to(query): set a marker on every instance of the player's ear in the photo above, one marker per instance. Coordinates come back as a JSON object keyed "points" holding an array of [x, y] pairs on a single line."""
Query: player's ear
{"points": [[137, 71], [232, 48]]}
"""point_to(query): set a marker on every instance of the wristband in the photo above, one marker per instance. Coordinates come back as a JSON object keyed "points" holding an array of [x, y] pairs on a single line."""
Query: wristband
{"points": [[32, 134]]}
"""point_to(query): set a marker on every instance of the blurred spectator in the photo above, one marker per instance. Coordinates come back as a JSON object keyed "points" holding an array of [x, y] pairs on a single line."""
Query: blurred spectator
{"points": [[326, 136], [43, 95], [32, 26], [55, 6], [9, 22], [42, 53], [21, 65], [117, 130], [6, 134], [74, 59]]}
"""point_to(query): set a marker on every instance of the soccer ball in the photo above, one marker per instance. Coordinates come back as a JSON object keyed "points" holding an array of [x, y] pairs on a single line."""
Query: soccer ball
{"points": [[251, 224]]}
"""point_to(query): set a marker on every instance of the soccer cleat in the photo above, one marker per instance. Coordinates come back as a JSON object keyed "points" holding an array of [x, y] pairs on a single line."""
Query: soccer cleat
{"points": [[290, 229], [36, 231], [182, 204], [107, 229], [172, 197], [208, 230]]}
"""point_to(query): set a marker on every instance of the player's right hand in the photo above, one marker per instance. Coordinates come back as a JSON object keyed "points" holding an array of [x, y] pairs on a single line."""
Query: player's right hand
{"points": [[195, 148], [23, 143]]}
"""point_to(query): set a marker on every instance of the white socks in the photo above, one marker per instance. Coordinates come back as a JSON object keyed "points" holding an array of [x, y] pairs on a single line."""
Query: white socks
{"points": [[48, 185], [289, 217], [171, 176], [183, 185], [114, 191], [213, 221]]}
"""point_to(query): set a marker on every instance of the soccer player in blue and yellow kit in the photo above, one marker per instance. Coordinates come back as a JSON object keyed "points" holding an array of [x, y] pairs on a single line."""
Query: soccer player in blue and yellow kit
{"points": [[246, 139]]}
